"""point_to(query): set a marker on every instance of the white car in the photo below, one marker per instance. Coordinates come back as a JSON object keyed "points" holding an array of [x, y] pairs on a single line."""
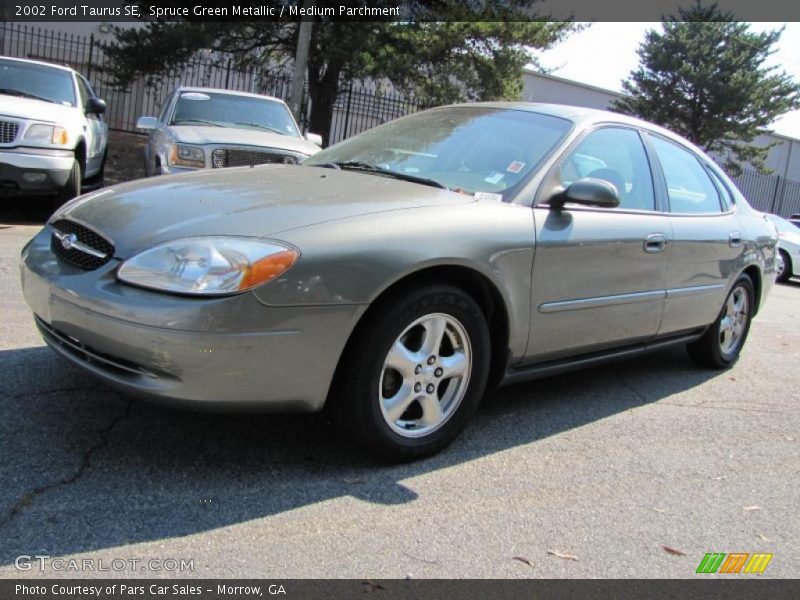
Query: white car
{"points": [[789, 248], [201, 128], [52, 134]]}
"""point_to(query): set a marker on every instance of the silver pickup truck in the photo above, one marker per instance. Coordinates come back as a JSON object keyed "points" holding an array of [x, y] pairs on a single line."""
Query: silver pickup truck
{"points": [[52, 134], [201, 128]]}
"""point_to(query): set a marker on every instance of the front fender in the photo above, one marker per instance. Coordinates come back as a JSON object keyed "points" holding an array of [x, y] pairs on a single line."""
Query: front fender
{"points": [[354, 260]]}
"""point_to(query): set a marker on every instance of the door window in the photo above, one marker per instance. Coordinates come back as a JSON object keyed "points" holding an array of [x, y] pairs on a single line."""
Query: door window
{"points": [[615, 155], [689, 187]]}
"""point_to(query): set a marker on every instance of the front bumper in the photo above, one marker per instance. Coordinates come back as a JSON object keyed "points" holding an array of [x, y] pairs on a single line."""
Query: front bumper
{"points": [[231, 353], [34, 170]]}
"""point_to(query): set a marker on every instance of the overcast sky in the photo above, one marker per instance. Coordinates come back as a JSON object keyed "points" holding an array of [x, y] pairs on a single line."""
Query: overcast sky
{"points": [[605, 53]]}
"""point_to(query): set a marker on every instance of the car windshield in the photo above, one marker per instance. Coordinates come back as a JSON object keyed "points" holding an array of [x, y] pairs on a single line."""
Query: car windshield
{"points": [[466, 148], [39, 82], [229, 110]]}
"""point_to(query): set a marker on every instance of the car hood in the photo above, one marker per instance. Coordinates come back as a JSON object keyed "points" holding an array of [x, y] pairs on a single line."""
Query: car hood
{"points": [[191, 134], [250, 201], [37, 110]]}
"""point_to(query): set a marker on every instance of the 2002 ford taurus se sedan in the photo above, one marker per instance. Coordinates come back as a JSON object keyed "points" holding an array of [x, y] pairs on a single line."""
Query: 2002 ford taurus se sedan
{"points": [[395, 275]]}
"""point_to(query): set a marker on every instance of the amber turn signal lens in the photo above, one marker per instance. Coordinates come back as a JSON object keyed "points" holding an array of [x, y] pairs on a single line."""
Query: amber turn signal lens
{"points": [[268, 268], [60, 136]]}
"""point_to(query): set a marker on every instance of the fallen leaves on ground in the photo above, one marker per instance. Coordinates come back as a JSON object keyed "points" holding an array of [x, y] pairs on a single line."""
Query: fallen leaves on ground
{"points": [[522, 559], [672, 550], [751, 508], [562, 555]]}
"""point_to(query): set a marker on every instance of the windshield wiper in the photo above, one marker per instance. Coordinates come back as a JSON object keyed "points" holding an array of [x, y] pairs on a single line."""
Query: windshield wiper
{"points": [[265, 127], [10, 92], [362, 166], [203, 121]]}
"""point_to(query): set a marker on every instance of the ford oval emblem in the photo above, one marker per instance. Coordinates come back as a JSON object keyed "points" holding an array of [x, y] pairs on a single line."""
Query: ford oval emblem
{"points": [[67, 241]]}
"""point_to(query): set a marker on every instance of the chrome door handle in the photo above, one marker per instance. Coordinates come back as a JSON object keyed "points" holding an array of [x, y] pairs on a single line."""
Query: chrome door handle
{"points": [[735, 239], [655, 242]]}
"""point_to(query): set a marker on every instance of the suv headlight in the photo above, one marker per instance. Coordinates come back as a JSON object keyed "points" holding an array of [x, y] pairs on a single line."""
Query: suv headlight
{"points": [[208, 265], [46, 134], [187, 156]]}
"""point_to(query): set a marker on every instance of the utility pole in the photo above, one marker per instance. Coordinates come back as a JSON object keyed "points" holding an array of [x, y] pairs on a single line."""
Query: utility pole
{"points": [[301, 60]]}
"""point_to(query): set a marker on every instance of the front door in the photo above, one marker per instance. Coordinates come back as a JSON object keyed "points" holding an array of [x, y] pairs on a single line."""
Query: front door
{"points": [[599, 274]]}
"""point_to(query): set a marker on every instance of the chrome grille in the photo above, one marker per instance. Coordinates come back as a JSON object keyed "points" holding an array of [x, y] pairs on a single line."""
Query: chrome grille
{"points": [[236, 157], [72, 253], [8, 131]]}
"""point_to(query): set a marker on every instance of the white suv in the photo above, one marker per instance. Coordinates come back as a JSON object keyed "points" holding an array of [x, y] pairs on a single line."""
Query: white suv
{"points": [[52, 133]]}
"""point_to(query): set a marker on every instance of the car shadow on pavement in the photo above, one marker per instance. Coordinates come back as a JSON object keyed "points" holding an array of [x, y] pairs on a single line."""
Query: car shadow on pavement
{"points": [[25, 210], [85, 468]]}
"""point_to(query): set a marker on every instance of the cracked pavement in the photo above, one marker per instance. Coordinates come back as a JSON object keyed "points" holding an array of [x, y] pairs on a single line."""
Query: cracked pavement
{"points": [[608, 465]]}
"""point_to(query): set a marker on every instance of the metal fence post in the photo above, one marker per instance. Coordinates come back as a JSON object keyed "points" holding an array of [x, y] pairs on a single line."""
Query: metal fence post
{"points": [[774, 203], [228, 74], [91, 54], [346, 112]]}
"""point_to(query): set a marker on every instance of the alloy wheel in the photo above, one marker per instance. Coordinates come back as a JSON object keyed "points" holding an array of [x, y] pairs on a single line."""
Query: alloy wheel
{"points": [[733, 323], [425, 375]]}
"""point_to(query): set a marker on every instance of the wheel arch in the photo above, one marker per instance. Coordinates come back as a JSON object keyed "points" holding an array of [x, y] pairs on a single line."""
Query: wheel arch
{"points": [[81, 154], [755, 275], [472, 281]]}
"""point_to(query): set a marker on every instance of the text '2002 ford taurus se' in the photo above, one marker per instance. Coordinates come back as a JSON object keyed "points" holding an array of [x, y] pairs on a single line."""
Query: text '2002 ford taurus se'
{"points": [[395, 275]]}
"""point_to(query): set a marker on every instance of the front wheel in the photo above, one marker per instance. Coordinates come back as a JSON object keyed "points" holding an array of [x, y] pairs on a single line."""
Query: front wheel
{"points": [[721, 345], [72, 188], [414, 373]]}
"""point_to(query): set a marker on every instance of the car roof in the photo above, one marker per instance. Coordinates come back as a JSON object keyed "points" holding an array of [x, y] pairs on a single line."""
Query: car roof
{"points": [[586, 117], [201, 90], [40, 63]]}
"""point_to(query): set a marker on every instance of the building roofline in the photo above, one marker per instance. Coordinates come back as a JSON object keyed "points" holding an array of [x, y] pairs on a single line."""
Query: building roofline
{"points": [[595, 88], [588, 86]]}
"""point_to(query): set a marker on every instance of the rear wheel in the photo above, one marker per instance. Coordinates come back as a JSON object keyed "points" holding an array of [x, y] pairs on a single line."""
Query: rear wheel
{"points": [[414, 373], [784, 266], [721, 345]]}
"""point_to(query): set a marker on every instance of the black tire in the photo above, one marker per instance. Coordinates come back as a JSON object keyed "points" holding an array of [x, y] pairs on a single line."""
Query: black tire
{"points": [[787, 267], [71, 188], [355, 395], [100, 178], [708, 350]]}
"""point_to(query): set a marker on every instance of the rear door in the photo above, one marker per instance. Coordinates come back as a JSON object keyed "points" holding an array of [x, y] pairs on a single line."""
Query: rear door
{"points": [[599, 274], [707, 242]]}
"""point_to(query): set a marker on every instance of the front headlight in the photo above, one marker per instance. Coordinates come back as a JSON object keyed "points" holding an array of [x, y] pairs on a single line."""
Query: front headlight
{"points": [[46, 134], [208, 265], [187, 156]]}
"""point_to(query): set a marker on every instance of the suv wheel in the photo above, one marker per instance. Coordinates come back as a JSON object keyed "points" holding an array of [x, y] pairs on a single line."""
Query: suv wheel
{"points": [[72, 188]]}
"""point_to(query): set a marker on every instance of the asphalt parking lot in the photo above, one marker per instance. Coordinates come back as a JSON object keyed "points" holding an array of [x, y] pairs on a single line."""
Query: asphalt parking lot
{"points": [[631, 470]]}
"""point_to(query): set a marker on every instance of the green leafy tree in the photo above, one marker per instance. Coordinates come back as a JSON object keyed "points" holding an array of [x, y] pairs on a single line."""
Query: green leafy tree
{"points": [[704, 77], [443, 55]]}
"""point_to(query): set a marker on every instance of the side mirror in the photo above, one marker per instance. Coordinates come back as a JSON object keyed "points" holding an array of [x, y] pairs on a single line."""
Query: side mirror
{"points": [[589, 192], [146, 123], [95, 106], [314, 138]]}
